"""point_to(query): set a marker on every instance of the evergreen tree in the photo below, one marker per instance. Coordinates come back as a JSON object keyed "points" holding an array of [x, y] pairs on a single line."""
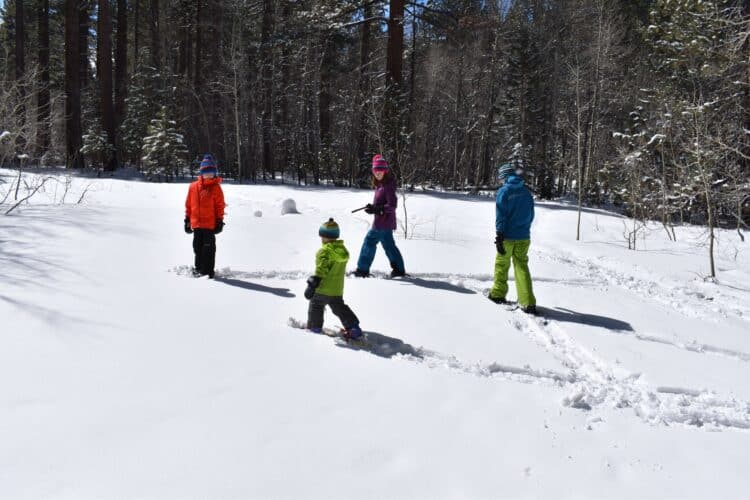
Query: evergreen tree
{"points": [[164, 149], [138, 106]]}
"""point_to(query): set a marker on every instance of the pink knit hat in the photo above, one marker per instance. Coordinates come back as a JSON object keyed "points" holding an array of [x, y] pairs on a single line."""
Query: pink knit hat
{"points": [[379, 164]]}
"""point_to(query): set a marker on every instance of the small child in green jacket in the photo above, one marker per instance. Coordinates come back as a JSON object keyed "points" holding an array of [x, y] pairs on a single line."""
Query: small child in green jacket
{"points": [[326, 287]]}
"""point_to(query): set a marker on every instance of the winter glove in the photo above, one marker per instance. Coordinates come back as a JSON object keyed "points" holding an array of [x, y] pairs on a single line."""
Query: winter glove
{"points": [[499, 243], [378, 209], [188, 229], [369, 209], [312, 284], [219, 226]]}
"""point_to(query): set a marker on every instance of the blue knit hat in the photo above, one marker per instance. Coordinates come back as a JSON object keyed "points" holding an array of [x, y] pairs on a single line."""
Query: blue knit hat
{"points": [[505, 170], [329, 229], [208, 165]]}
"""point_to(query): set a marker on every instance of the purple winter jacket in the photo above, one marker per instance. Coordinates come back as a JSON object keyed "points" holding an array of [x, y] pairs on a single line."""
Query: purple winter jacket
{"points": [[385, 194]]}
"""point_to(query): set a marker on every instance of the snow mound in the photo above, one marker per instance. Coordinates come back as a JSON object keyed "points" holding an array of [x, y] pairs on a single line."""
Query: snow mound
{"points": [[289, 206]]}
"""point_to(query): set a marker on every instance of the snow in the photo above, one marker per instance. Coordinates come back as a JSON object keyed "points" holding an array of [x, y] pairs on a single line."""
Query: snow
{"points": [[656, 138], [4, 135], [121, 376]]}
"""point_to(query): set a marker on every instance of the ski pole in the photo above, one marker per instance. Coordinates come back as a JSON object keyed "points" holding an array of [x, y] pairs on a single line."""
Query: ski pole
{"points": [[358, 209]]}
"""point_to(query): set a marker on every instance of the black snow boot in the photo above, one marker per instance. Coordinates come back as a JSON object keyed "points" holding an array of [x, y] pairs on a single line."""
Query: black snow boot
{"points": [[359, 273], [498, 300], [530, 309]]}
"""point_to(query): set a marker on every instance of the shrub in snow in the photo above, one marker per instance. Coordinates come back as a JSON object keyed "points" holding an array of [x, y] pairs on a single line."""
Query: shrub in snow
{"points": [[289, 206], [258, 213]]}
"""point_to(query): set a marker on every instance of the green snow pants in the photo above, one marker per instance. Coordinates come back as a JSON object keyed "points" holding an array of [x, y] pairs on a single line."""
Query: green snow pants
{"points": [[518, 250]]}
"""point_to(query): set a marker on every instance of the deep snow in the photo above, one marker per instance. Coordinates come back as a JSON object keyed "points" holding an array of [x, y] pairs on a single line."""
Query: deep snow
{"points": [[122, 377]]}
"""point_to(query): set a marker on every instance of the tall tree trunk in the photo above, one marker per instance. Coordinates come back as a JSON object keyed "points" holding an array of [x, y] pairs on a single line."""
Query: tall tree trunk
{"points": [[364, 70], [155, 42], [104, 74], [324, 106], [198, 46], [395, 49], [20, 70], [136, 34], [43, 98], [121, 62], [394, 82], [19, 42], [73, 139], [286, 140], [84, 18], [267, 71]]}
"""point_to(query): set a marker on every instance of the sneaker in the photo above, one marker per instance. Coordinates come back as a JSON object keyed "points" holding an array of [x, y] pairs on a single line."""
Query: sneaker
{"points": [[500, 300], [530, 309], [397, 274], [359, 273], [352, 333]]}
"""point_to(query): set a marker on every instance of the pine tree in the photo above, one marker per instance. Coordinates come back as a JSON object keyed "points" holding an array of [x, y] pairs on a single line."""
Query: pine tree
{"points": [[138, 106], [164, 150]]}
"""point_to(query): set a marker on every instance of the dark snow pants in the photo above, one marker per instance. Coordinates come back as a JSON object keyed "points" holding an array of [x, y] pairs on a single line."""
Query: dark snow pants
{"points": [[204, 247], [318, 305]]}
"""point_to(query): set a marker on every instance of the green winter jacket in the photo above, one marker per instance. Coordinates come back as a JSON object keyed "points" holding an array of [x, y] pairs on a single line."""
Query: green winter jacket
{"points": [[330, 267]]}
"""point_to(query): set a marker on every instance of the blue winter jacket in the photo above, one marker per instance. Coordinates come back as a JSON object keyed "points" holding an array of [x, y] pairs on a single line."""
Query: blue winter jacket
{"points": [[514, 210]]}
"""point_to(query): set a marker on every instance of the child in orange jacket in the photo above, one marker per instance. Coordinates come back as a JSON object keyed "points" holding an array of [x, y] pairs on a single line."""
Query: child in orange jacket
{"points": [[204, 216]]}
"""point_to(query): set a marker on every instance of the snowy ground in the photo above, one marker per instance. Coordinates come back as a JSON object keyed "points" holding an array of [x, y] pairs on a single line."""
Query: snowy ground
{"points": [[120, 377]]}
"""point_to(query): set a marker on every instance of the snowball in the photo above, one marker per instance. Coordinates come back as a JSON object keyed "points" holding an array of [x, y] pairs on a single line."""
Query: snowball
{"points": [[258, 213], [289, 206]]}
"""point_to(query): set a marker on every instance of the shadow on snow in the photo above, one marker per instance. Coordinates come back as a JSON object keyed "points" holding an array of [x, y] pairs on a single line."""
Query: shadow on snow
{"points": [[247, 285]]}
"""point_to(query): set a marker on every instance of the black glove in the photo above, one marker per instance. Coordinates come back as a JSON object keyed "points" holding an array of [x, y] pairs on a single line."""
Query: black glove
{"points": [[188, 229], [499, 243], [219, 226], [378, 209], [312, 283], [369, 209]]}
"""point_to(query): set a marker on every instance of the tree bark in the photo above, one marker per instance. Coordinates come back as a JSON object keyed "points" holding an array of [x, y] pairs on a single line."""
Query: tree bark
{"points": [[324, 106], [136, 34], [395, 49], [73, 138], [19, 42], [84, 17], [155, 42], [394, 83], [267, 72], [361, 162], [121, 62], [20, 70], [43, 99], [104, 75], [198, 47], [286, 140]]}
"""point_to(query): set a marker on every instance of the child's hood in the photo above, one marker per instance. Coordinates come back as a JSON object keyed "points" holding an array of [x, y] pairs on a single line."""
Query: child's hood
{"points": [[338, 251]]}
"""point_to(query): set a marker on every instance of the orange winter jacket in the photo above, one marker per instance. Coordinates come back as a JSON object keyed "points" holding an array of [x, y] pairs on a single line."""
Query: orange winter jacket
{"points": [[205, 203]]}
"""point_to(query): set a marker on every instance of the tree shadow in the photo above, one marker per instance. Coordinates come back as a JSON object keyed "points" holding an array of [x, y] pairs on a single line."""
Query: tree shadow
{"points": [[247, 285], [382, 346], [557, 205], [569, 316], [436, 285], [60, 321]]}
